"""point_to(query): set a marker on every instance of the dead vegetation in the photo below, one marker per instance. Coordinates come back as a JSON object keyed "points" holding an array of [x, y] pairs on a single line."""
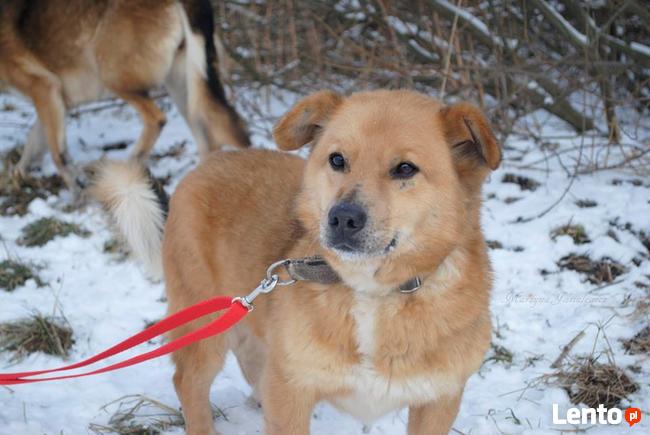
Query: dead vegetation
{"points": [[39, 232], [586, 379], [524, 183], [142, 415], [36, 333], [494, 244], [514, 58], [511, 199], [499, 354], [16, 195], [586, 203], [639, 344], [590, 382], [175, 151], [605, 270], [14, 273], [577, 232], [10, 158], [643, 237], [116, 249]]}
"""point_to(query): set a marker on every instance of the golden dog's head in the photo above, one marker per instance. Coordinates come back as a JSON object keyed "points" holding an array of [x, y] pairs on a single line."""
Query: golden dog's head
{"points": [[393, 180]]}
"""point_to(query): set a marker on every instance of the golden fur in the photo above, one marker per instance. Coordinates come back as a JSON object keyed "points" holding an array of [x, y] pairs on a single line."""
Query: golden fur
{"points": [[61, 53], [360, 344], [235, 215]]}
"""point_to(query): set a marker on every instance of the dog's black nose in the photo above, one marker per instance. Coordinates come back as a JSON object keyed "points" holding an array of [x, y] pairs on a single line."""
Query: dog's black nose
{"points": [[346, 219]]}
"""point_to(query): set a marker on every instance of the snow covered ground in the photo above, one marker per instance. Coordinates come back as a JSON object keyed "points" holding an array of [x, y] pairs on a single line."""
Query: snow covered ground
{"points": [[537, 307]]}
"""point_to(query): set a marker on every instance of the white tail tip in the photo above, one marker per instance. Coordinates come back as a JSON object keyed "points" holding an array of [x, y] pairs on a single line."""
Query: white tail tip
{"points": [[125, 190]]}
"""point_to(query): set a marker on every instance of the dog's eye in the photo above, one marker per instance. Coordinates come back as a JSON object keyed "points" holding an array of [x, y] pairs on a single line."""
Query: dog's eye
{"points": [[337, 161], [404, 170]]}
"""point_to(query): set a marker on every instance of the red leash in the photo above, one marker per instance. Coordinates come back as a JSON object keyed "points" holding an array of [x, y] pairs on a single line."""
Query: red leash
{"points": [[237, 309]]}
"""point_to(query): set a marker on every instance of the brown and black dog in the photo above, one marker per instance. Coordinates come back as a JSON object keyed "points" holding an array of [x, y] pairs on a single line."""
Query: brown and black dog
{"points": [[390, 191], [62, 53]]}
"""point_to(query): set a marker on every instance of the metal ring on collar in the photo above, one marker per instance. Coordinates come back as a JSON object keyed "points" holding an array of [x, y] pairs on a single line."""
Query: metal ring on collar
{"points": [[271, 269]]}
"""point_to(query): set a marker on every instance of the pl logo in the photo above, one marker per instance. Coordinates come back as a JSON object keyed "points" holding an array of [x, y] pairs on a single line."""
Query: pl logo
{"points": [[632, 416], [600, 415]]}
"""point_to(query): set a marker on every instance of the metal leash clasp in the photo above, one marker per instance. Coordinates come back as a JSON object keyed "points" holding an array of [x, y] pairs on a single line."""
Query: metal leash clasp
{"points": [[266, 285]]}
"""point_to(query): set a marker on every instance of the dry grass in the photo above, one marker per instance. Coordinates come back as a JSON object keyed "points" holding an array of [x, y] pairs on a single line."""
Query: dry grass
{"points": [[604, 270], [117, 249], [14, 274], [576, 232], [524, 183], [37, 333], [640, 343], [11, 157], [587, 381], [499, 354], [141, 415], [40, 232], [16, 195], [586, 203], [494, 244]]}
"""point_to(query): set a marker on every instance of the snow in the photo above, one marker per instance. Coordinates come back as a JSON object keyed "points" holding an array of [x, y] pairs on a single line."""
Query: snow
{"points": [[468, 17], [534, 314], [640, 48]]}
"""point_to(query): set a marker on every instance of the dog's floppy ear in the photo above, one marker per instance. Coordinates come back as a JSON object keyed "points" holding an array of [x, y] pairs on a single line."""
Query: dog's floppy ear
{"points": [[301, 124], [470, 136]]}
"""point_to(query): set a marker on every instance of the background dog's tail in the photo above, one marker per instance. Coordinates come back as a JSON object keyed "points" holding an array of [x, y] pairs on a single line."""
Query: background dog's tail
{"points": [[212, 119], [137, 205]]}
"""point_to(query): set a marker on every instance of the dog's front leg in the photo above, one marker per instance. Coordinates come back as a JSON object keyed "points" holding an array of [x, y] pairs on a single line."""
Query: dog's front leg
{"points": [[287, 408], [434, 418]]}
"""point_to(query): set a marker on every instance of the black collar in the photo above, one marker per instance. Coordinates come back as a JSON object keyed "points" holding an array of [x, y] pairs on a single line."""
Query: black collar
{"points": [[316, 269]]}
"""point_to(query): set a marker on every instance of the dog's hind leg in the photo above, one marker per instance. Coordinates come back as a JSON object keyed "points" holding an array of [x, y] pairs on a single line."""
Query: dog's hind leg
{"points": [[196, 367], [153, 120], [33, 151]]}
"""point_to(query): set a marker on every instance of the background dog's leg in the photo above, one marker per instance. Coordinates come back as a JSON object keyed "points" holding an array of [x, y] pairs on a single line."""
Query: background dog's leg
{"points": [[175, 83], [46, 93], [153, 121], [434, 418], [196, 367], [287, 408], [213, 122], [35, 146]]}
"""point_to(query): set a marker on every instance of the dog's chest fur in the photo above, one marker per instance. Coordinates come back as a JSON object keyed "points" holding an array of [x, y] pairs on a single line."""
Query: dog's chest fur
{"points": [[373, 394]]}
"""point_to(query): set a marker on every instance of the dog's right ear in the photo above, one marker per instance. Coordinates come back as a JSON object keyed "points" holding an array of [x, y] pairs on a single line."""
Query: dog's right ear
{"points": [[303, 122]]}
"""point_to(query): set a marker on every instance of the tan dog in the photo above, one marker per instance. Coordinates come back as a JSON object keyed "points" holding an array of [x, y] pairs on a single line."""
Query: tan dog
{"points": [[391, 191], [61, 53]]}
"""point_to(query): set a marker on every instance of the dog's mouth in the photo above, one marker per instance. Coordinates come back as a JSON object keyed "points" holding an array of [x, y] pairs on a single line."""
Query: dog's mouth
{"points": [[391, 245], [347, 251]]}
